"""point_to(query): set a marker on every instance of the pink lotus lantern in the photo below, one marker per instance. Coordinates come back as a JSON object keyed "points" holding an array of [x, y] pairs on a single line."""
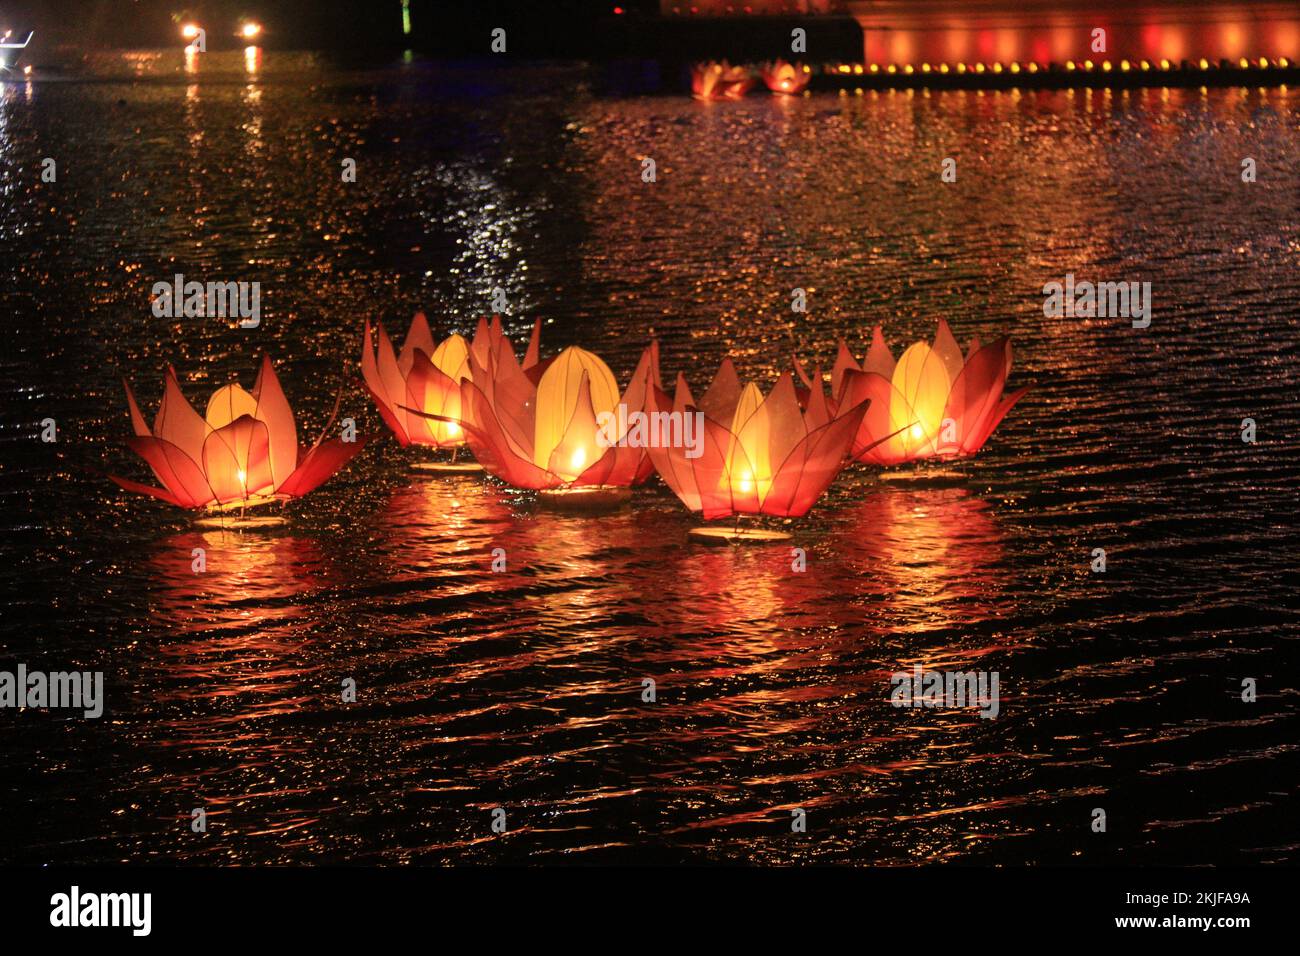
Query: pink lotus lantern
{"points": [[782, 77], [417, 392], [759, 455], [931, 403], [554, 426], [243, 452], [714, 81]]}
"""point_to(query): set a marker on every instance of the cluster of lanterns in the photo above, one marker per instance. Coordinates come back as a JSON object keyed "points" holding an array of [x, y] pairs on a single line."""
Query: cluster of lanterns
{"points": [[722, 81], [561, 425]]}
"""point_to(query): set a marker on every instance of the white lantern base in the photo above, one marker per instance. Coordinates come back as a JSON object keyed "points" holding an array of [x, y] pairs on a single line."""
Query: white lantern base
{"points": [[233, 521], [447, 467], [585, 498], [926, 477], [717, 535]]}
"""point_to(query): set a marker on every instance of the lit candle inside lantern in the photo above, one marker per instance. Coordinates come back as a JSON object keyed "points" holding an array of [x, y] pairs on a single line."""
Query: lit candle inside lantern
{"points": [[575, 389]]}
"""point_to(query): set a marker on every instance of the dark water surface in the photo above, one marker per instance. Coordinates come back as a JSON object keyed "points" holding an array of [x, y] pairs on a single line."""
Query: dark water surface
{"points": [[523, 689]]}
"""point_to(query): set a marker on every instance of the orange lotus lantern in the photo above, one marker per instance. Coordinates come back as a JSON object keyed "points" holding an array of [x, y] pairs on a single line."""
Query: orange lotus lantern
{"points": [[552, 425], [242, 452], [714, 81], [931, 403], [759, 455], [423, 378], [782, 77]]}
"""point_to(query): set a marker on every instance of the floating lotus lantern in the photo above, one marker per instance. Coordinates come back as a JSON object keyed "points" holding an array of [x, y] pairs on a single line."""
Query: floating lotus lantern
{"points": [[243, 452], [759, 454], [554, 426], [714, 81], [782, 77], [931, 403], [425, 378]]}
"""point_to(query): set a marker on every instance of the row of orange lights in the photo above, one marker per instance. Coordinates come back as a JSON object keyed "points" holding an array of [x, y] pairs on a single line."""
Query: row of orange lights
{"points": [[1086, 66]]}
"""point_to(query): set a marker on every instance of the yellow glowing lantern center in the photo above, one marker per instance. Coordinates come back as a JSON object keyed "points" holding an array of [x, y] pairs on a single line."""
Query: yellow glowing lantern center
{"points": [[749, 467], [565, 437], [451, 357], [225, 406], [920, 395]]}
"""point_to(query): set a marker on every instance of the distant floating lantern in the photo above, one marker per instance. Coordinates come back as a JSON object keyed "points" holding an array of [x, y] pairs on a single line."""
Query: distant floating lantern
{"points": [[713, 81], [759, 455], [547, 426], [423, 377], [782, 77], [931, 403], [242, 453]]}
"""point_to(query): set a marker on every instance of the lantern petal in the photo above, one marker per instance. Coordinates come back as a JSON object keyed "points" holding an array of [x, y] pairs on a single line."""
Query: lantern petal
{"points": [[844, 361], [137, 419], [141, 489], [236, 460], [720, 400], [802, 373], [227, 404], [995, 419], [878, 440], [879, 359], [273, 410], [974, 396], [628, 464], [671, 462], [178, 422], [812, 465], [419, 337], [431, 391], [534, 346], [946, 347], [720, 472], [784, 419], [391, 376], [177, 471], [922, 380], [324, 459], [560, 393], [818, 412], [512, 398], [578, 449], [493, 448], [374, 383]]}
